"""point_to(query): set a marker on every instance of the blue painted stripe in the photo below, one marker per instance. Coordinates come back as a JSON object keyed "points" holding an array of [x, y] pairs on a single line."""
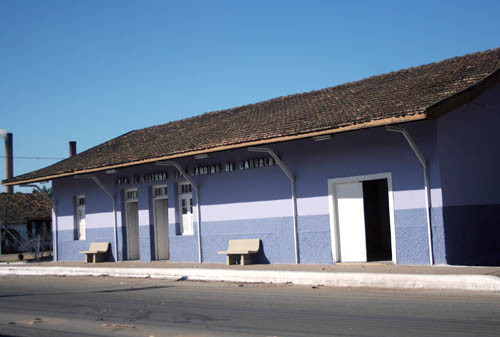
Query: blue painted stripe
{"points": [[276, 236]]}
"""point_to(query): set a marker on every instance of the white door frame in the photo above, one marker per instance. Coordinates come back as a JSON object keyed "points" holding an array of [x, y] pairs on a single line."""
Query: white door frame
{"points": [[82, 230], [189, 206], [127, 225], [160, 197], [332, 207]]}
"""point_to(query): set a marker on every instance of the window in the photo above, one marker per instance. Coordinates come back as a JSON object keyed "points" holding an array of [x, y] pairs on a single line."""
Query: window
{"points": [[186, 208], [80, 225], [160, 192], [131, 195]]}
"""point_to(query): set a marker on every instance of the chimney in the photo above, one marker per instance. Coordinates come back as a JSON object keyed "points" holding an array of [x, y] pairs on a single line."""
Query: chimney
{"points": [[9, 161], [72, 148]]}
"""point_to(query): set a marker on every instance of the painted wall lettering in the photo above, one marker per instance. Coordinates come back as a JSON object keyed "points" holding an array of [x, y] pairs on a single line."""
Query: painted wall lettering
{"points": [[256, 163], [204, 170], [123, 181], [157, 176]]}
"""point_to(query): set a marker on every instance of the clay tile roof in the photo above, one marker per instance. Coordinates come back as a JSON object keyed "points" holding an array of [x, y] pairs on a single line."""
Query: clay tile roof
{"points": [[22, 207], [400, 96]]}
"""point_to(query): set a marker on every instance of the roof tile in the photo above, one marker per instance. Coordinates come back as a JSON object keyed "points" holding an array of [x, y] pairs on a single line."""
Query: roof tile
{"points": [[402, 93]]}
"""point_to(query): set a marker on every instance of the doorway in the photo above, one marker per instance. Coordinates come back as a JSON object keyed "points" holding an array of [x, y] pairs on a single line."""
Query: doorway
{"points": [[160, 205], [377, 221], [186, 208], [132, 224], [361, 218]]}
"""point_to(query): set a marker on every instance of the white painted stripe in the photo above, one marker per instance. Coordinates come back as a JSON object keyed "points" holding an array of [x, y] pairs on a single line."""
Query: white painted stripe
{"points": [[312, 206], [413, 199], [247, 210], [436, 197], [65, 223], [93, 221], [143, 217], [264, 209], [409, 199]]}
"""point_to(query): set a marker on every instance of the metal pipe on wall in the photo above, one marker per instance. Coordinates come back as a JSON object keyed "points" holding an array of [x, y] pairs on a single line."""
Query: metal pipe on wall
{"points": [[426, 183], [197, 191], [294, 197], [54, 216], [98, 182]]}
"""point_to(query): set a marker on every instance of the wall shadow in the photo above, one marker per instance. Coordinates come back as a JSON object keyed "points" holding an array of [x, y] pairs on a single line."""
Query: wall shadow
{"points": [[472, 234], [260, 257]]}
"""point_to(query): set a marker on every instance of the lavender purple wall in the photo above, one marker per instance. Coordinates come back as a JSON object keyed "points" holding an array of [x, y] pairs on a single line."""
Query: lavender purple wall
{"points": [[469, 153], [255, 203], [99, 217]]}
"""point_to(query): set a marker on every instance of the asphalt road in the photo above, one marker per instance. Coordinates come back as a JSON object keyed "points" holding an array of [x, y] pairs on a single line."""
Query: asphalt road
{"points": [[90, 306]]}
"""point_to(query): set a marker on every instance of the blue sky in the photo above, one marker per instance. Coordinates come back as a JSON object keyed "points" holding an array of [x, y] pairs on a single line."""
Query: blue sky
{"points": [[93, 70]]}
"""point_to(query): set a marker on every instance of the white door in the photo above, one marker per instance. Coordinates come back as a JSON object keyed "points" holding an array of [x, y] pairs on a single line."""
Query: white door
{"points": [[81, 222], [161, 228], [132, 209], [351, 222], [80, 217], [186, 208], [187, 214]]}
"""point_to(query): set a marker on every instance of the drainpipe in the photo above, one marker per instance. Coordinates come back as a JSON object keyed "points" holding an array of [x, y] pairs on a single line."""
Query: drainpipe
{"points": [[54, 214], [197, 191], [98, 182], [426, 182], [294, 197]]}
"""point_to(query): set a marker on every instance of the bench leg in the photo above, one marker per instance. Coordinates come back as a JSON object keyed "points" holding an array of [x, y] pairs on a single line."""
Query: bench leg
{"points": [[232, 259], [246, 259]]}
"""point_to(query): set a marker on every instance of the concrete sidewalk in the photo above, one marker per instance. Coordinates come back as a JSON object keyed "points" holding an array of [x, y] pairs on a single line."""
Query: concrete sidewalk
{"points": [[373, 275]]}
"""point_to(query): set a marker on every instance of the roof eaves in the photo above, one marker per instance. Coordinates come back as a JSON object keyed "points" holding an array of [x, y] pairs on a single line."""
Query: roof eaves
{"points": [[350, 127], [463, 97]]}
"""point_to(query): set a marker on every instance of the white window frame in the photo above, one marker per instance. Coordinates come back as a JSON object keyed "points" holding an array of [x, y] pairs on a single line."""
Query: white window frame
{"points": [[185, 230], [133, 199], [161, 196], [80, 229]]}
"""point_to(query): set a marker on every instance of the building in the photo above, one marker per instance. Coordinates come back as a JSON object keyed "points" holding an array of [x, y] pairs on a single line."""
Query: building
{"points": [[399, 167], [23, 219]]}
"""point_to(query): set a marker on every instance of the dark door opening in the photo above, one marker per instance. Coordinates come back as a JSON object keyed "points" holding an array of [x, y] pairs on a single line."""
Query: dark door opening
{"points": [[377, 220]]}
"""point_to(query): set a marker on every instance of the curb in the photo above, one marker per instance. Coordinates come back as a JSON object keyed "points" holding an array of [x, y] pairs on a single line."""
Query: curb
{"points": [[358, 280]]}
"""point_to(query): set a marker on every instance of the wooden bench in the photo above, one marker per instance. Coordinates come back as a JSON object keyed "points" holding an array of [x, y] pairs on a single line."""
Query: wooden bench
{"points": [[97, 251], [241, 250]]}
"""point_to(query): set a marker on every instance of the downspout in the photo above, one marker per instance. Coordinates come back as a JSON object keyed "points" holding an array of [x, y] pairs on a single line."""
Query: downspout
{"points": [[426, 182], [294, 197], [197, 191], [54, 216], [96, 180]]}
